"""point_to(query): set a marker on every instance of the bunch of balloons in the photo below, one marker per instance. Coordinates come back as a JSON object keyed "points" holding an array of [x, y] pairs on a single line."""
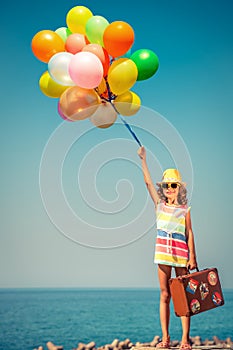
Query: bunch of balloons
{"points": [[90, 67]]}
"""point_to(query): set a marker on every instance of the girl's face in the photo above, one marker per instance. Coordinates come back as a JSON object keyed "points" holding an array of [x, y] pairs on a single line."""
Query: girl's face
{"points": [[171, 190]]}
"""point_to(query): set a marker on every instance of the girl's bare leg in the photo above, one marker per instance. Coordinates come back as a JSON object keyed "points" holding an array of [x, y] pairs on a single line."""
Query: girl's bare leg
{"points": [[164, 273], [185, 321]]}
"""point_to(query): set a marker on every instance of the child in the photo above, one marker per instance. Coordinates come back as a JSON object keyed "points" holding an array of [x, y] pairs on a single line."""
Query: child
{"points": [[174, 244]]}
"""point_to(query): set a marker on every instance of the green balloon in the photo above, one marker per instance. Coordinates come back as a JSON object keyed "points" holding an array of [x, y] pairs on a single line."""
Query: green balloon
{"points": [[95, 28], [63, 32], [147, 63]]}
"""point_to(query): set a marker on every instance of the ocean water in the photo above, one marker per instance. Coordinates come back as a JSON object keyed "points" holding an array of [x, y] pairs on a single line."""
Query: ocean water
{"points": [[32, 317]]}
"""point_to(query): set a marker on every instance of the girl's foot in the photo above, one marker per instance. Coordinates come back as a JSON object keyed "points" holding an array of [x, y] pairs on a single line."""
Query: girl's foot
{"points": [[164, 344]]}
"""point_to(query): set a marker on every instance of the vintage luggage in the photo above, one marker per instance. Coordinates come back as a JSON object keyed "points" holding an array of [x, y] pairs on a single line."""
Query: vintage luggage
{"points": [[196, 292]]}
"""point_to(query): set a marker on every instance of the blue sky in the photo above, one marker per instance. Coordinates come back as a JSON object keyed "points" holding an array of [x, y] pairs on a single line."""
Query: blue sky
{"points": [[192, 90]]}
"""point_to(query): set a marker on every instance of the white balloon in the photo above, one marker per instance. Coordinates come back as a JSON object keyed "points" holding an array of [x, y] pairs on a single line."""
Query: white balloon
{"points": [[104, 116], [58, 68]]}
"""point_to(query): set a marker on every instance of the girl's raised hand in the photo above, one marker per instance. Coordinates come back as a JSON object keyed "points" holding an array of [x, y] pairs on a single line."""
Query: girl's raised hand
{"points": [[142, 152]]}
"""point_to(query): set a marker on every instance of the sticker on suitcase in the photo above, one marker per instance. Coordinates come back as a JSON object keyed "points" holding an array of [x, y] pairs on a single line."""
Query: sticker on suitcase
{"points": [[212, 278], [195, 306], [217, 299], [204, 290], [192, 286]]}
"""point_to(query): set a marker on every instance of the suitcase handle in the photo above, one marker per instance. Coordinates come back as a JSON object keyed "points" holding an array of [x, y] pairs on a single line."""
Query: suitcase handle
{"points": [[197, 269], [188, 273]]}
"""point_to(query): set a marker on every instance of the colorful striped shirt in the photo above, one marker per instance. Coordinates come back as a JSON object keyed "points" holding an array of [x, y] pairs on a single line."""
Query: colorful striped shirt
{"points": [[171, 246]]}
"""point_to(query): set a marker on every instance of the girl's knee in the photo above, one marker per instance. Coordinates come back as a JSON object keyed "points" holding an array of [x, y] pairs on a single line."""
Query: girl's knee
{"points": [[165, 296]]}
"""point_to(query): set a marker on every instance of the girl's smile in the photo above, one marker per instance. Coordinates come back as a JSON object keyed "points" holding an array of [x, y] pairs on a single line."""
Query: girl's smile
{"points": [[171, 193]]}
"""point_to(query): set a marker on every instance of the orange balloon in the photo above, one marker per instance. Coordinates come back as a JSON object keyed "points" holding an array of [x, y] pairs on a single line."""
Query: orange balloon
{"points": [[77, 103], [45, 44], [118, 38]]}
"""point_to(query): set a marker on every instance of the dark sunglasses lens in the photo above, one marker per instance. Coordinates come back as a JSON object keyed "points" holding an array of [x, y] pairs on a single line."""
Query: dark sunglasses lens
{"points": [[174, 185]]}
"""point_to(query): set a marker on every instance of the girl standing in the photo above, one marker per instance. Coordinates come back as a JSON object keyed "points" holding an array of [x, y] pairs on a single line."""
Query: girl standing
{"points": [[174, 244]]}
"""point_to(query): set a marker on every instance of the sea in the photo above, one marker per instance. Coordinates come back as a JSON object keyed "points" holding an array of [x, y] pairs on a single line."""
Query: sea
{"points": [[29, 318]]}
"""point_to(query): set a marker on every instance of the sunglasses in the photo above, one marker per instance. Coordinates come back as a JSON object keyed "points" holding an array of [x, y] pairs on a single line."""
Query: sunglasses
{"points": [[172, 185]]}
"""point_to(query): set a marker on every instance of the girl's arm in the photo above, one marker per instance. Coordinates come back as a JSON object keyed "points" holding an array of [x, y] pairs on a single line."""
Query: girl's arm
{"points": [[147, 178], [192, 263]]}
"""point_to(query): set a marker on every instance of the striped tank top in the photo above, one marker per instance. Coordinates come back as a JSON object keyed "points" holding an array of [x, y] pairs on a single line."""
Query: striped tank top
{"points": [[171, 246]]}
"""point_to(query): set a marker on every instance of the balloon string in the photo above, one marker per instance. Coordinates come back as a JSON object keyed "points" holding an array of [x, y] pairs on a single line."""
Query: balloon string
{"points": [[110, 99], [110, 95], [131, 131]]}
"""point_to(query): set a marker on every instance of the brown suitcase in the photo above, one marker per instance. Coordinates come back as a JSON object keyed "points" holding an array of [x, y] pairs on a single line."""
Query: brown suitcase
{"points": [[196, 292]]}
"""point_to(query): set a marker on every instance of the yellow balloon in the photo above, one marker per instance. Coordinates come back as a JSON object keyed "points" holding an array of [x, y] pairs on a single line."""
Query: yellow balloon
{"points": [[77, 18], [122, 75], [102, 87], [128, 103], [49, 87]]}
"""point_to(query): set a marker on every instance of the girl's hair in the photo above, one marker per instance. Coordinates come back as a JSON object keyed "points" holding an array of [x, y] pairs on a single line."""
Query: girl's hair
{"points": [[182, 195]]}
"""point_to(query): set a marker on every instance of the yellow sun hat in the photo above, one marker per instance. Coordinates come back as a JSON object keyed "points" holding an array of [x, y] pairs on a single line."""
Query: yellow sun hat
{"points": [[172, 175]]}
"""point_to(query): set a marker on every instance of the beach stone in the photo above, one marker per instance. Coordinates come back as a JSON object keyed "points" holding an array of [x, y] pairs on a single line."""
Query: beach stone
{"points": [[124, 344], [81, 346], [144, 347], [40, 348], [108, 347], [155, 341], [138, 344], [208, 342], [175, 343], [216, 340], [197, 341], [90, 345], [51, 346], [115, 343]]}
